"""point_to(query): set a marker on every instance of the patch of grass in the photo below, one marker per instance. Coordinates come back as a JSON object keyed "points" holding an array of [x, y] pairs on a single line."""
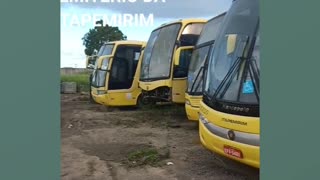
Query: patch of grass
{"points": [[172, 110], [144, 157], [81, 79]]}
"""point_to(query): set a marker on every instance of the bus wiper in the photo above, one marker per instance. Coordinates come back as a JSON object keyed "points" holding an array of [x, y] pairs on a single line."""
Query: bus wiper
{"points": [[254, 64], [195, 80], [255, 76], [198, 84], [248, 68], [231, 73]]}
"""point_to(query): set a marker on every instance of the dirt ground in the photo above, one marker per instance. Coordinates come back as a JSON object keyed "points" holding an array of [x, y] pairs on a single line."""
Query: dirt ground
{"points": [[97, 143]]}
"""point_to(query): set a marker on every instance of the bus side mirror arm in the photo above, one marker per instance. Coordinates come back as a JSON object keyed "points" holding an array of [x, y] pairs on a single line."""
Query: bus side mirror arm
{"points": [[91, 66], [179, 51], [177, 57]]}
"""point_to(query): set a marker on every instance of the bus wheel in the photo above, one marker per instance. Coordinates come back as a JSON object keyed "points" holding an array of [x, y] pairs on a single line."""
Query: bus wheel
{"points": [[142, 101]]}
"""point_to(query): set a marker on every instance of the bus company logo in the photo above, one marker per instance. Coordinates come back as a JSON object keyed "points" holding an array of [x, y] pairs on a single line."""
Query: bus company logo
{"points": [[231, 135], [234, 121]]}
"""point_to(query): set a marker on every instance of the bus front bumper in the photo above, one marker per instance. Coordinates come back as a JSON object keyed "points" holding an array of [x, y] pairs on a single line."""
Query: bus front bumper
{"points": [[192, 112], [114, 99], [100, 99], [250, 154]]}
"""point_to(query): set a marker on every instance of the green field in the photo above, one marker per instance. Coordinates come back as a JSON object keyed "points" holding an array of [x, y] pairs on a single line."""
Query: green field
{"points": [[81, 79]]}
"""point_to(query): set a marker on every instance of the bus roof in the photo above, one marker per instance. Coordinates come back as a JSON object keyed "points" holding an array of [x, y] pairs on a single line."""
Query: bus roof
{"points": [[183, 21], [128, 42], [217, 16]]}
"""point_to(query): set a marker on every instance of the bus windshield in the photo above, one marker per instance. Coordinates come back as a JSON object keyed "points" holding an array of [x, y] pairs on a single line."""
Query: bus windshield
{"points": [[195, 72], [233, 73], [98, 78], [105, 49], [211, 29], [158, 54], [99, 74], [199, 55]]}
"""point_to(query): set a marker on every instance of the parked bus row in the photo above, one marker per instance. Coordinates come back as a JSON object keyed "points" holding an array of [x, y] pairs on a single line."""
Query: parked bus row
{"points": [[210, 66]]}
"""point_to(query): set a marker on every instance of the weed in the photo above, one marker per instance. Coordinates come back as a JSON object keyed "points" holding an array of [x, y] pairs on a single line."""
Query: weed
{"points": [[144, 157]]}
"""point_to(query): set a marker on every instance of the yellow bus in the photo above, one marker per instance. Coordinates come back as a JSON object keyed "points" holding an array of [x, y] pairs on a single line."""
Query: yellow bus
{"points": [[105, 49], [229, 122], [166, 58], [115, 76], [199, 56]]}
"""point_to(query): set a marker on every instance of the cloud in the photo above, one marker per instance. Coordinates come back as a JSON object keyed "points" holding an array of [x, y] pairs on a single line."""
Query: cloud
{"points": [[169, 9], [72, 58], [72, 50]]}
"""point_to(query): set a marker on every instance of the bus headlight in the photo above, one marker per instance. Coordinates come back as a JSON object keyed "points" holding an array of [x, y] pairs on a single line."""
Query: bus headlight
{"points": [[188, 102], [100, 92], [203, 119]]}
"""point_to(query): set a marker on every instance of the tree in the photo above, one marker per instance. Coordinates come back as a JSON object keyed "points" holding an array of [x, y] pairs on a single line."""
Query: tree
{"points": [[98, 35]]}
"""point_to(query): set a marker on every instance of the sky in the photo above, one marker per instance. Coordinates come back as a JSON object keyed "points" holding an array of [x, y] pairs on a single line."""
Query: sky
{"points": [[78, 16]]}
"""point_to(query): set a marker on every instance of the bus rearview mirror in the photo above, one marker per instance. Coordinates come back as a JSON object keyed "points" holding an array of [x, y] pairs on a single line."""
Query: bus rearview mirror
{"points": [[95, 52], [177, 57], [90, 66], [181, 52]]}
